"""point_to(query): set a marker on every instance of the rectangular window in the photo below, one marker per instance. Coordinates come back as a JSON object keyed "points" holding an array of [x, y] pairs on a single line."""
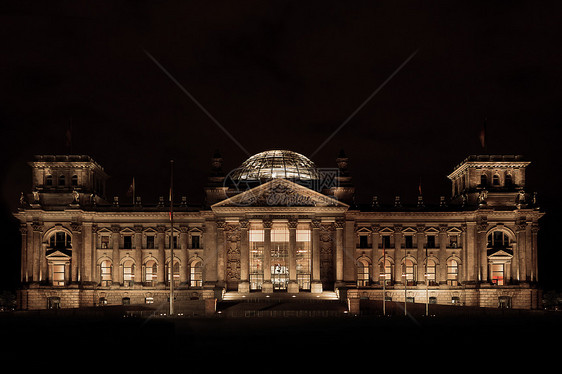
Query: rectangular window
{"points": [[58, 275], [497, 274], [256, 238], [303, 258], [409, 241], [386, 241], [105, 242], [453, 241], [150, 242], [195, 242], [431, 241], [363, 241], [127, 242]]}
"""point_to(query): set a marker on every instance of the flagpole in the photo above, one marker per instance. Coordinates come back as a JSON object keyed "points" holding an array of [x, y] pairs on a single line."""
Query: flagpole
{"points": [[384, 280], [426, 286], [171, 238]]}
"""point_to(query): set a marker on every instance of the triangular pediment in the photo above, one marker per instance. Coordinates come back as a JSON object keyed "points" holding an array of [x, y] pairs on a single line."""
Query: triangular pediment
{"points": [[280, 193]]}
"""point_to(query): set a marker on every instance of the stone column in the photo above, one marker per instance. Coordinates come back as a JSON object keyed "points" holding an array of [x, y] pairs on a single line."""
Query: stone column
{"points": [[339, 224], [533, 255], [221, 225], [137, 255], [182, 255], [244, 284], [76, 257], [421, 242], [267, 286], [116, 257], [471, 253], [87, 244], [38, 253], [161, 254], [293, 286], [316, 286], [441, 275], [481, 245], [23, 254]]}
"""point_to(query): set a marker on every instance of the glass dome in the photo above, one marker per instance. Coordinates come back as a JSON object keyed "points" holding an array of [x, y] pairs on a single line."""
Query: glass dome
{"points": [[276, 164]]}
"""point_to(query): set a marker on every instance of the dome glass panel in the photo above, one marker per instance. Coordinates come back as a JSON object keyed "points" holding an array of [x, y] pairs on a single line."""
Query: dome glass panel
{"points": [[276, 164]]}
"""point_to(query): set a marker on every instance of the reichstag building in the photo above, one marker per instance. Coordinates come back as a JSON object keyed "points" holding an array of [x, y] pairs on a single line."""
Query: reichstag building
{"points": [[280, 225]]}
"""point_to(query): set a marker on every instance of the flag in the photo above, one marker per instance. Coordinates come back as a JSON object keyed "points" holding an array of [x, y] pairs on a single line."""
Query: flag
{"points": [[419, 187], [483, 135], [131, 190]]}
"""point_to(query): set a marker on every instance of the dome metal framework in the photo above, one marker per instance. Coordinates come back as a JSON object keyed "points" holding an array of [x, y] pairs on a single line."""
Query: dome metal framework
{"points": [[276, 164]]}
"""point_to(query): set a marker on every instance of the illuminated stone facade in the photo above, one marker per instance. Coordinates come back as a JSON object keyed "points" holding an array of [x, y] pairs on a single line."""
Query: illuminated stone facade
{"points": [[276, 235]]}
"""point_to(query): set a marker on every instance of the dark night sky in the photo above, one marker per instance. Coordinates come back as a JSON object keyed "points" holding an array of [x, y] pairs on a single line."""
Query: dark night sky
{"points": [[282, 75]]}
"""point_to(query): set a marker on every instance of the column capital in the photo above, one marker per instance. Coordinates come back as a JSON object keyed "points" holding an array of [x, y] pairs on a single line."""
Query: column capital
{"points": [[316, 223], [293, 223], [267, 223]]}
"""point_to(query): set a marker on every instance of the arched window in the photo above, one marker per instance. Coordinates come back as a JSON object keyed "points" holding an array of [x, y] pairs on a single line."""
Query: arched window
{"points": [[498, 239], [452, 272], [431, 272], [128, 273], [74, 180], [62, 180], [49, 180], [496, 180], [105, 273], [150, 273], [386, 272], [409, 272], [60, 240], [483, 180], [508, 180], [196, 274], [362, 273], [176, 272]]}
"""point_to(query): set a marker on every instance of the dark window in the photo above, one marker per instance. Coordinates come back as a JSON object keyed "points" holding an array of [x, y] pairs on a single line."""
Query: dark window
{"points": [[508, 180], [195, 243], [49, 180], [431, 241], [150, 242], [483, 180], [62, 180], [363, 241], [409, 241], [74, 180], [496, 180], [386, 241], [127, 242]]}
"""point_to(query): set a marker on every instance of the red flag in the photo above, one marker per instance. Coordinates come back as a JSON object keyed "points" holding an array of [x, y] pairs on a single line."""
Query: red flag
{"points": [[483, 135]]}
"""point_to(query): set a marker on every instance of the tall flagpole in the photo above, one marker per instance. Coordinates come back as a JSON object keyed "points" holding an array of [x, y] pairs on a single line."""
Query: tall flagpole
{"points": [[384, 280], [171, 271], [426, 286]]}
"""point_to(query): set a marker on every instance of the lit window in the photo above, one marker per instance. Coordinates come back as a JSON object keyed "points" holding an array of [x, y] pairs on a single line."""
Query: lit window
{"points": [[150, 273], [128, 273], [409, 271], [452, 272], [176, 273], [386, 272], [362, 273], [497, 275], [431, 271], [303, 259], [105, 273], [196, 274], [58, 274]]}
